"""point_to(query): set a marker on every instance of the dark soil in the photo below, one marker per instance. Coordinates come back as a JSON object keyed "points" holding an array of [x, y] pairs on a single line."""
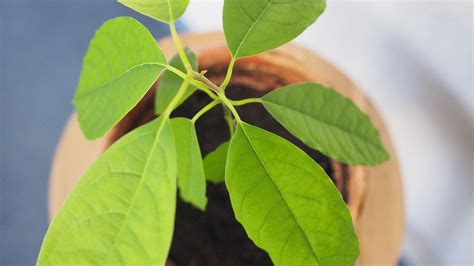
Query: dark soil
{"points": [[214, 237]]}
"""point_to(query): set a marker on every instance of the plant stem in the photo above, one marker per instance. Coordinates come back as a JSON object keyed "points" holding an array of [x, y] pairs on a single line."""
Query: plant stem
{"points": [[176, 71], [200, 85], [220, 93], [230, 69], [175, 101], [200, 77], [205, 109], [206, 81], [229, 120], [179, 47], [245, 101], [229, 105], [207, 91], [203, 83], [203, 87]]}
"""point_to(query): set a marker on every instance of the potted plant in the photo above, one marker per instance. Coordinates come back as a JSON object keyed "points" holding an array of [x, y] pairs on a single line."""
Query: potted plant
{"points": [[123, 209]]}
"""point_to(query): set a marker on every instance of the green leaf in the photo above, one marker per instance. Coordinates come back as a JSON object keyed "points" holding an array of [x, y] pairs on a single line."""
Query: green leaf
{"points": [[162, 10], [122, 210], [327, 121], [122, 63], [255, 26], [191, 179], [214, 164], [170, 83], [286, 202]]}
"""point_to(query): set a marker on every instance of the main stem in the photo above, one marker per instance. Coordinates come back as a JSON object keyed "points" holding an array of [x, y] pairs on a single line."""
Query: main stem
{"points": [[199, 84], [191, 76], [221, 94], [218, 90], [229, 105]]}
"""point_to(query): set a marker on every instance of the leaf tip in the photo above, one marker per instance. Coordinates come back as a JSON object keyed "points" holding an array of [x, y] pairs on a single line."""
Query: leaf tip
{"points": [[202, 205], [385, 155]]}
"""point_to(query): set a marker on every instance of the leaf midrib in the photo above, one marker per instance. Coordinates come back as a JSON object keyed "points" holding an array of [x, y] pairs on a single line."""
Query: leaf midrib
{"points": [[345, 131], [191, 159], [140, 184], [283, 197], [251, 27], [170, 11]]}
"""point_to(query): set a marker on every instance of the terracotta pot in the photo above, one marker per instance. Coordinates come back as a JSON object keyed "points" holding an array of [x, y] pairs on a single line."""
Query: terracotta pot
{"points": [[374, 194]]}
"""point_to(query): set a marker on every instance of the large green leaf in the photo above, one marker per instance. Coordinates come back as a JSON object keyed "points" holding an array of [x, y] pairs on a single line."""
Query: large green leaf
{"points": [[191, 179], [286, 202], [170, 82], [122, 210], [214, 164], [325, 120], [162, 10], [255, 26], [122, 63]]}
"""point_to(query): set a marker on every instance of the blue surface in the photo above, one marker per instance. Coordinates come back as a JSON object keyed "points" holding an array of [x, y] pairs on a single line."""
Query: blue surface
{"points": [[42, 43]]}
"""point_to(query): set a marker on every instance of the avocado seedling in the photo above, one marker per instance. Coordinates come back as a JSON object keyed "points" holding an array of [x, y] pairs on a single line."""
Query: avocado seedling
{"points": [[122, 211]]}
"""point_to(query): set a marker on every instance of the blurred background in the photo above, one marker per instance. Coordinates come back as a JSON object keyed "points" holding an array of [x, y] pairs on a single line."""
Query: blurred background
{"points": [[413, 58]]}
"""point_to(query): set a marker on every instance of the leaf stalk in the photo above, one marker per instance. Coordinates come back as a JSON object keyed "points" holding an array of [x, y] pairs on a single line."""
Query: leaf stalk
{"points": [[175, 101], [179, 47], [205, 109], [245, 101], [228, 75]]}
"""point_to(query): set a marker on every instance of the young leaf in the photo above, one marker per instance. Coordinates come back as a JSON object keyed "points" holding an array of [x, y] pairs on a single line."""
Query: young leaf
{"points": [[170, 82], [325, 120], [122, 210], [191, 179], [214, 164], [122, 63], [286, 202], [255, 26], [162, 10]]}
